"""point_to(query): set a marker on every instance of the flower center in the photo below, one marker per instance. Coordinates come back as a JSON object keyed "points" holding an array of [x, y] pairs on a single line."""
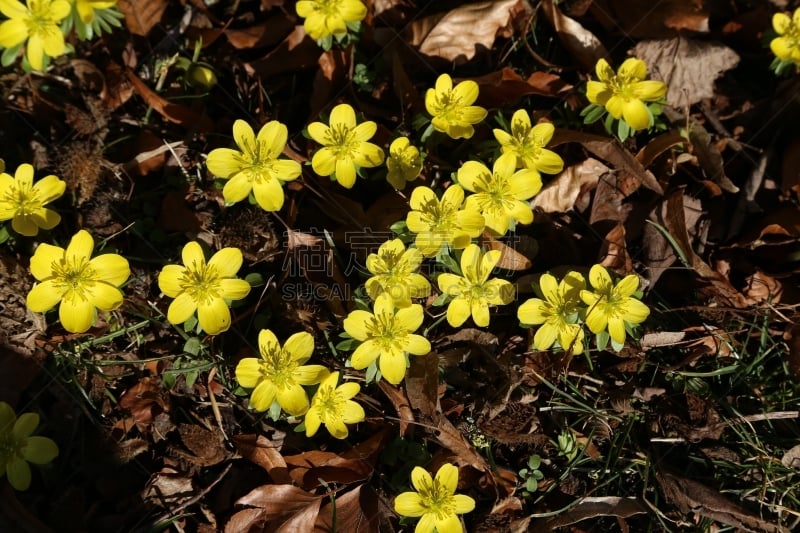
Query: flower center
{"points": [[277, 366], [330, 402], [9, 448], [75, 275], [437, 216], [23, 198], [437, 500], [385, 330], [450, 105], [39, 17], [343, 143], [201, 282], [328, 7]]}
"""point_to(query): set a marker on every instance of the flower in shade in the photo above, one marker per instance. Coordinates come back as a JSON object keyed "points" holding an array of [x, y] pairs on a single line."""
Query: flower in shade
{"points": [[557, 313], [612, 306], [474, 292], [442, 222], [528, 144], [452, 109], [256, 166], [344, 146], [786, 46], [500, 194], [404, 163], [36, 22], [86, 8], [203, 287], [324, 18], [395, 272], [24, 202], [334, 407], [435, 501], [625, 92], [18, 447], [387, 335], [81, 283], [280, 372]]}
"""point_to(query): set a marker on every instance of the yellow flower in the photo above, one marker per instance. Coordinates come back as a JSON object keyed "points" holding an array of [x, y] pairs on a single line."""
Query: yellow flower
{"points": [[404, 163], [18, 447], [23, 202], [435, 501], [329, 17], [452, 109], [387, 336], [612, 305], [786, 47], [500, 194], [439, 223], [203, 287], [345, 146], [334, 407], [255, 166], [557, 313], [280, 373], [86, 8], [528, 144], [38, 24], [79, 282], [474, 292], [623, 94], [394, 271]]}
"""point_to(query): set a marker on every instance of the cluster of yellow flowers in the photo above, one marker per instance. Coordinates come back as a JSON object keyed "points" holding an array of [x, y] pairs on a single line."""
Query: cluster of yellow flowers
{"points": [[39, 26], [786, 46], [18, 447]]}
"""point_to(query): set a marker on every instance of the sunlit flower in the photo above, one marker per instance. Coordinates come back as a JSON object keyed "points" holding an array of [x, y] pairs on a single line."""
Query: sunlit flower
{"points": [[23, 201], [329, 17], [557, 313], [387, 335], [395, 272], [81, 283], [256, 166], [786, 47], [203, 287], [345, 146], [334, 407], [624, 94], [612, 305], [435, 501], [474, 292], [18, 447], [86, 8], [452, 109], [500, 194], [404, 163], [528, 144], [280, 372], [442, 222], [38, 23]]}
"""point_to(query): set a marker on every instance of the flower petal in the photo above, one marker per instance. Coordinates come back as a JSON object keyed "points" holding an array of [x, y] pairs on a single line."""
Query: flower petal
{"points": [[310, 374], [49, 188], [410, 318], [474, 176], [312, 421], [181, 309], [649, 89], [293, 399], [368, 155], [192, 255], [636, 114], [448, 524], [345, 172], [13, 32], [633, 69], [616, 329], [39, 450], [343, 116], [421, 479], [365, 354], [604, 70], [533, 311], [479, 310], [781, 22], [417, 345], [447, 477], [111, 268], [44, 296], [80, 247], [463, 503], [263, 395], [393, 366], [104, 296], [237, 188], [234, 289], [227, 261], [458, 312], [24, 225], [300, 346], [272, 139], [76, 315], [24, 426], [248, 372], [169, 280], [549, 162], [324, 162], [225, 162], [269, 194], [214, 316], [356, 324], [409, 504], [545, 337], [19, 474]]}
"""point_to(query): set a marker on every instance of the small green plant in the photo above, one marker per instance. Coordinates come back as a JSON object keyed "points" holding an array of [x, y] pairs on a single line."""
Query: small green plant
{"points": [[567, 445], [532, 475]]}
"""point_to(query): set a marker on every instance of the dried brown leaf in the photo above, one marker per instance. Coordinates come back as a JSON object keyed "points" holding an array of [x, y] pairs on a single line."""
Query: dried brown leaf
{"points": [[142, 15], [584, 46], [266, 454], [296, 52], [401, 404], [177, 113], [560, 194], [278, 501], [506, 87], [422, 384], [355, 510], [791, 459], [658, 146], [459, 34], [266, 33], [593, 507], [510, 259], [651, 20]]}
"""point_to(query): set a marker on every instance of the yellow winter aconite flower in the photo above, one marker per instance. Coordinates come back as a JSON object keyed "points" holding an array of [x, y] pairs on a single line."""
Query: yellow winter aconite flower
{"points": [[786, 47], [474, 292], [203, 287], [623, 93], [23, 201], [81, 283], [279, 373], [612, 305], [404, 163], [387, 335], [86, 8], [452, 109], [442, 222], [256, 166], [334, 407], [557, 313], [345, 146], [37, 21], [329, 17], [395, 272], [18, 447], [528, 143], [500, 194], [435, 501]]}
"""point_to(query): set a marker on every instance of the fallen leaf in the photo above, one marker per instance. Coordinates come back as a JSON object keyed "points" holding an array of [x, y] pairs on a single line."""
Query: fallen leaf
{"points": [[460, 33], [791, 459], [268, 32], [422, 384], [144, 401], [762, 288], [505, 87], [649, 20], [584, 46], [177, 113], [659, 145], [401, 404], [689, 67], [266, 454], [296, 52], [593, 507], [614, 250], [355, 510], [510, 259], [176, 215], [560, 194], [277, 504], [142, 15]]}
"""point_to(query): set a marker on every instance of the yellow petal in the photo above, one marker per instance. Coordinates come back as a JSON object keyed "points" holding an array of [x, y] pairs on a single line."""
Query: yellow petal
{"points": [[169, 280], [428, 243], [473, 175], [545, 337], [248, 372], [13, 9], [214, 316], [224, 162], [549, 287], [234, 289], [633, 69], [44, 296], [599, 278], [447, 477], [111, 268], [348, 390], [312, 421], [13, 32], [306, 8], [466, 92], [268, 343], [243, 136], [352, 413], [364, 131], [300, 346], [421, 479], [324, 162], [269, 194], [421, 197], [237, 188], [458, 312], [426, 524], [533, 311], [781, 47], [345, 172], [365, 354], [286, 169], [19, 473], [343, 116], [409, 504], [43, 259], [393, 366], [181, 309], [320, 133], [463, 503], [649, 90], [227, 261], [293, 399], [598, 92], [24, 225], [39, 450], [636, 115], [53, 41], [59, 9], [548, 162], [310, 374], [410, 318], [263, 395], [615, 106], [34, 51], [451, 284], [503, 137], [488, 262], [417, 345], [447, 524], [444, 84], [616, 329], [480, 312], [104, 296], [45, 218], [635, 311], [352, 10], [470, 222], [604, 70], [473, 115], [368, 155], [80, 247], [24, 176], [76, 314], [781, 23], [596, 318], [337, 428], [272, 139], [192, 255], [627, 285], [499, 292], [356, 324]]}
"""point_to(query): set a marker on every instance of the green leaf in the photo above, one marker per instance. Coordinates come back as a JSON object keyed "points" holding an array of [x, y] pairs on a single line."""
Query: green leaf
{"points": [[193, 346], [254, 279]]}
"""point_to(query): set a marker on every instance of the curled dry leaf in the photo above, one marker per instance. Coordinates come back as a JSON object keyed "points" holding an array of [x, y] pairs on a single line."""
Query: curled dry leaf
{"points": [[296, 52], [460, 33], [266, 454], [177, 113], [584, 46], [505, 86], [355, 510], [285, 506], [142, 15], [560, 194], [651, 19], [510, 258], [593, 507]]}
